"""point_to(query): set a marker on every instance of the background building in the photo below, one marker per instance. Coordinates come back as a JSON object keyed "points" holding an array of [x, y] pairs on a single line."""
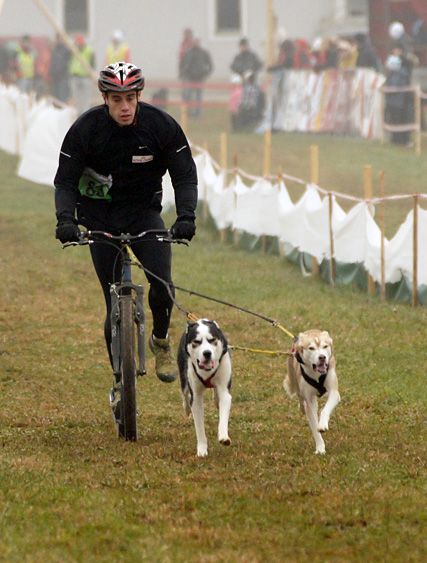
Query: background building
{"points": [[154, 29]]}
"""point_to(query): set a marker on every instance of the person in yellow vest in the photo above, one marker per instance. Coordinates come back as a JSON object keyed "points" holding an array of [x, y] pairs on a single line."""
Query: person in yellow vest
{"points": [[347, 54], [118, 49], [80, 79], [25, 64]]}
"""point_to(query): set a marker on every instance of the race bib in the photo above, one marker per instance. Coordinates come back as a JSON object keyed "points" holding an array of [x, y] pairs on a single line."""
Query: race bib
{"points": [[95, 185]]}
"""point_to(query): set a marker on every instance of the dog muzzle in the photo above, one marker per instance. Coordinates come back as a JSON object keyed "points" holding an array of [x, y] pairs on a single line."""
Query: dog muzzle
{"points": [[321, 367], [206, 365]]}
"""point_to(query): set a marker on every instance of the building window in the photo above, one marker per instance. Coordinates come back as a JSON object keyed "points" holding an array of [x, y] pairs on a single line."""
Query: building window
{"points": [[228, 16], [76, 16]]}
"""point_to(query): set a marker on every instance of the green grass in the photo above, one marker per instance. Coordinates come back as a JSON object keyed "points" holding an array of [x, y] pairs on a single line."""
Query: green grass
{"points": [[70, 491]]}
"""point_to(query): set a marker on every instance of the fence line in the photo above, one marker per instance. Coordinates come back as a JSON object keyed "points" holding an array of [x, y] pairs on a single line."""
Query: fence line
{"points": [[294, 179]]}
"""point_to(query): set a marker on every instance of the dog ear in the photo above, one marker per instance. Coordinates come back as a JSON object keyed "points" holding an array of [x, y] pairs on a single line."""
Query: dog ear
{"points": [[224, 343], [325, 334], [190, 324]]}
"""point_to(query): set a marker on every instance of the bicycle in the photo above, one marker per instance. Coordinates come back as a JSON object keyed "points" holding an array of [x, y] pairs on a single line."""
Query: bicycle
{"points": [[127, 325]]}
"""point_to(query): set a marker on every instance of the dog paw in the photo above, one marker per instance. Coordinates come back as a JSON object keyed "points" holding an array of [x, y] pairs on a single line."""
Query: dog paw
{"points": [[202, 452], [225, 441], [323, 427], [320, 450]]}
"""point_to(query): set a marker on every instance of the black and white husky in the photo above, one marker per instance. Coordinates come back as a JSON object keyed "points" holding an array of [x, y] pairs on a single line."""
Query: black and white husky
{"points": [[204, 362]]}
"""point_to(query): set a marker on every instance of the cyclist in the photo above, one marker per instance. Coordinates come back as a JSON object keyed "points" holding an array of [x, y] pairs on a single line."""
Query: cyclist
{"points": [[109, 178]]}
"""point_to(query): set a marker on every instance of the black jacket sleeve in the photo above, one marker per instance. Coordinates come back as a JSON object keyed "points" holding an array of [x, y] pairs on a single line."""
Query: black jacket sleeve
{"points": [[183, 173], [71, 165]]}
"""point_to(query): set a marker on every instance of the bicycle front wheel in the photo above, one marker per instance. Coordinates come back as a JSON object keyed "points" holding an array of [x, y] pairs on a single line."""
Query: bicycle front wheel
{"points": [[127, 368]]}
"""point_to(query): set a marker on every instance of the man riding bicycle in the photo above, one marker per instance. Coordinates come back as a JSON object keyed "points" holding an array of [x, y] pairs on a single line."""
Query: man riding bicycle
{"points": [[109, 178]]}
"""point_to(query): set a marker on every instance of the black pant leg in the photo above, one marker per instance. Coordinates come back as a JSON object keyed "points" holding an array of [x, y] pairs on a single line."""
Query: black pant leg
{"points": [[157, 258]]}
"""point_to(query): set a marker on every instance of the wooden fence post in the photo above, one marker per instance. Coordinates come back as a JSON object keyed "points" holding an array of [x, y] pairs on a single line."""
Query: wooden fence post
{"points": [[367, 190], [270, 33], [266, 173], [236, 234], [267, 153], [418, 132], [415, 254], [280, 180], [223, 147], [223, 141], [382, 117], [333, 271], [205, 212], [184, 117], [314, 179], [382, 227], [314, 164]]}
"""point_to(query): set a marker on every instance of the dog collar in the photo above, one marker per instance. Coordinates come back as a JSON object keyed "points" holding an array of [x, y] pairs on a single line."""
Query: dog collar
{"points": [[318, 385], [206, 382]]}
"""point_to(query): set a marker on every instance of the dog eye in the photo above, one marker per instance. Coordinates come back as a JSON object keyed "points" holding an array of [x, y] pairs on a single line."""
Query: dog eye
{"points": [[212, 340], [311, 348], [196, 343], [325, 346]]}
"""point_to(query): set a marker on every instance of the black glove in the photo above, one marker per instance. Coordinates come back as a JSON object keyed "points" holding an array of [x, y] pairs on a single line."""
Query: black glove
{"points": [[184, 228], [67, 231]]}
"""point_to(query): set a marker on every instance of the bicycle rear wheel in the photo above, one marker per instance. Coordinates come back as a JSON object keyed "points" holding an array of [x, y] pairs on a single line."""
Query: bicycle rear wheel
{"points": [[128, 369]]}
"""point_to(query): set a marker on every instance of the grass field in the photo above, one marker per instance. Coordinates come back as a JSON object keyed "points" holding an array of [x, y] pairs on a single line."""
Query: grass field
{"points": [[70, 491]]}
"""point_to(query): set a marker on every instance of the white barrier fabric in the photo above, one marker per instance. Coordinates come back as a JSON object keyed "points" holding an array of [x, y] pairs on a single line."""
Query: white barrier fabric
{"points": [[266, 209], [333, 101], [14, 110], [40, 150], [36, 130]]}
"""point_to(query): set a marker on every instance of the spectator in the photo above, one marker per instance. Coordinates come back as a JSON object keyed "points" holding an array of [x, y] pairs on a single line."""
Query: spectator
{"points": [[186, 43], [246, 60], [25, 65], [302, 54], [332, 54], [4, 63], [59, 63], [347, 55], [366, 56], [285, 57], [318, 54], [398, 109], [118, 49], [80, 80], [196, 65], [236, 92], [419, 31], [251, 107], [399, 36]]}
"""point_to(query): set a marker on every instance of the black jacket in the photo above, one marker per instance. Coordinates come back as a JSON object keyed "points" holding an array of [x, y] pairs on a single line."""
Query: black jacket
{"points": [[244, 61], [196, 64], [136, 156]]}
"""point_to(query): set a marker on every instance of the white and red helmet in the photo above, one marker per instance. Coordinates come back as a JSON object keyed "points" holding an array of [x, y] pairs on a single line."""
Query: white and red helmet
{"points": [[121, 77]]}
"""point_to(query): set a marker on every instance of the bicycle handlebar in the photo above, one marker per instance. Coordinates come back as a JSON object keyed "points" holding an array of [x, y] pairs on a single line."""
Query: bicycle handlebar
{"points": [[161, 235]]}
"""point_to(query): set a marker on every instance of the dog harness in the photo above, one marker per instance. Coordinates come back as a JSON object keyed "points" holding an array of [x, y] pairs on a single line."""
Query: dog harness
{"points": [[318, 385], [207, 382]]}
